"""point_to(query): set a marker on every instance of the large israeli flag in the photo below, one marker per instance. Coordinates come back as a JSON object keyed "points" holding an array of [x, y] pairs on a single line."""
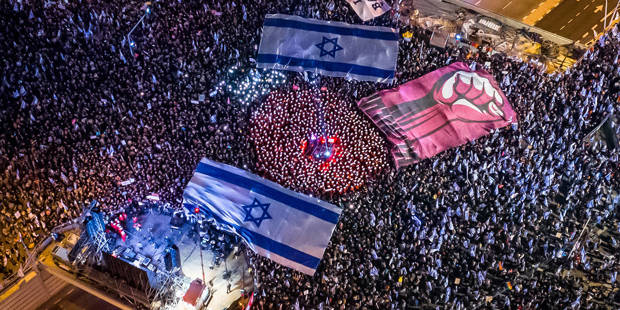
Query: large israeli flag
{"points": [[289, 228], [365, 53]]}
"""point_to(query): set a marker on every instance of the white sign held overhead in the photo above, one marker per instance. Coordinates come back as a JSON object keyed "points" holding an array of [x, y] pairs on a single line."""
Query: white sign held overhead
{"points": [[369, 9]]}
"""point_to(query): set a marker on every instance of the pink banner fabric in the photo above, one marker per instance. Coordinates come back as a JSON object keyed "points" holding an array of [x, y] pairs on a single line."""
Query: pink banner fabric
{"points": [[440, 110]]}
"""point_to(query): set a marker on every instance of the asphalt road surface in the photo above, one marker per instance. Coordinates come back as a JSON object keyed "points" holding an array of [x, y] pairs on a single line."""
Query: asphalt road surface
{"points": [[515, 9], [576, 20], [572, 19], [73, 298]]}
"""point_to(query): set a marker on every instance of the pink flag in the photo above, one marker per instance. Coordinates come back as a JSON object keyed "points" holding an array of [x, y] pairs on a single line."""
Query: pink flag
{"points": [[440, 110]]}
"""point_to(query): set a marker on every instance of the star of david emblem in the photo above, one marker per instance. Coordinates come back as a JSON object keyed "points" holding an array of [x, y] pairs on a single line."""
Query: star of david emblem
{"points": [[257, 220], [332, 52]]}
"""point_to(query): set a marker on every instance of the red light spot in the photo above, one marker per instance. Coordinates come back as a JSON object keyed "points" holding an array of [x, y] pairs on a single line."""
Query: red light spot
{"points": [[196, 210]]}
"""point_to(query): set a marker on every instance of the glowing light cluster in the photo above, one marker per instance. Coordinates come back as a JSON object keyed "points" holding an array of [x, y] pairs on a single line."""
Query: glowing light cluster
{"points": [[247, 85], [321, 148], [286, 119]]}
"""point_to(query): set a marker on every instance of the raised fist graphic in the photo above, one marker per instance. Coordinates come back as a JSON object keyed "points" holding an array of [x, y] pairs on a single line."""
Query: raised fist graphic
{"points": [[470, 90]]}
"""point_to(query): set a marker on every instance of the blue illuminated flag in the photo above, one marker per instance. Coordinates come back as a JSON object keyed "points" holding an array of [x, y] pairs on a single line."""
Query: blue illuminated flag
{"points": [[366, 53], [287, 227]]}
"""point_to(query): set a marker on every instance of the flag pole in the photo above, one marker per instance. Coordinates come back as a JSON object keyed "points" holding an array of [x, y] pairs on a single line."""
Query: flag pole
{"points": [[577, 240], [315, 81], [202, 265], [605, 18]]}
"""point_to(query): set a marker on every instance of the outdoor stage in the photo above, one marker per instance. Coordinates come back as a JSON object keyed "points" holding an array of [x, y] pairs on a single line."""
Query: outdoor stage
{"points": [[149, 234]]}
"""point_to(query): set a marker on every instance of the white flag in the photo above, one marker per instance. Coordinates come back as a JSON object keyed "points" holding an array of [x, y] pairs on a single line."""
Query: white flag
{"points": [[153, 197], [127, 182], [365, 53], [369, 9], [289, 228], [62, 204]]}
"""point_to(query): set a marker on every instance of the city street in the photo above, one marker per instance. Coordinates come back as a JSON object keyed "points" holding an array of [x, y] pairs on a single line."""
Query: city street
{"points": [[73, 298], [515, 9], [574, 19]]}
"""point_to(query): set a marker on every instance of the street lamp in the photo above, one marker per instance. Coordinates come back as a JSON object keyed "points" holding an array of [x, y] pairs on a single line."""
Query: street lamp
{"points": [[132, 44]]}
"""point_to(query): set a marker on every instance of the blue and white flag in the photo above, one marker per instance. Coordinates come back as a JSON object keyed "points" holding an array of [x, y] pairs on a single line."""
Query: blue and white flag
{"points": [[289, 228], [365, 53]]}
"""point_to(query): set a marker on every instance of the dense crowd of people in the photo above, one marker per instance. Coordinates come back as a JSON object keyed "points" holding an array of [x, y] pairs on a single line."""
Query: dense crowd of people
{"points": [[526, 217], [330, 152]]}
